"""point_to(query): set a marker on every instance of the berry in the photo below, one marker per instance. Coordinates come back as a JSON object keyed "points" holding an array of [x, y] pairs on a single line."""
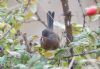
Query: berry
{"points": [[92, 10]]}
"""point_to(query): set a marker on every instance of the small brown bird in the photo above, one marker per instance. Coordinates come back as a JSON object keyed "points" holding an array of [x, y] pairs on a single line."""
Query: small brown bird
{"points": [[49, 40]]}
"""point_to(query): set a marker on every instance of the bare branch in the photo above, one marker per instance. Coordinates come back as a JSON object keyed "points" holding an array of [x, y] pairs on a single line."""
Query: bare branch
{"points": [[26, 43], [84, 21], [39, 19], [5, 34]]}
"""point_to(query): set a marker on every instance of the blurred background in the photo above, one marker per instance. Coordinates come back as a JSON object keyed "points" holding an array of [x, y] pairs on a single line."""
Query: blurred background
{"points": [[35, 27]]}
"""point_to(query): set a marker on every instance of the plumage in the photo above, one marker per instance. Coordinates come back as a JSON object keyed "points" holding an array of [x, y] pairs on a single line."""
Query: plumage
{"points": [[50, 40]]}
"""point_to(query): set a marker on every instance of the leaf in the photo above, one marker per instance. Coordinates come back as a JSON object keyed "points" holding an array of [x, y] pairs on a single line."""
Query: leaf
{"points": [[98, 31], [77, 28], [33, 1], [3, 60], [19, 18], [65, 64], [3, 3], [95, 17], [17, 26], [28, 15], [35, 37], [98, 58], [49, 54], [33, 60], [25, 2], [37, 66], [59, 54], [13, 21], [13, 31], [33, 8]]}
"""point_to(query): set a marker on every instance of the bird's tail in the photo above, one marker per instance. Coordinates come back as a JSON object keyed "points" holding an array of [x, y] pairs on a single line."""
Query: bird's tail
{"points": [[50, 19]]}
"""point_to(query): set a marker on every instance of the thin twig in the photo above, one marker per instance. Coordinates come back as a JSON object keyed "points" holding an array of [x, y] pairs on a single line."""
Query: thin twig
{"points": [[84, 21], [26, 43], [71, 63], [96, 1], [27, 5], [5, 34], [39, 19], [93, 51]]}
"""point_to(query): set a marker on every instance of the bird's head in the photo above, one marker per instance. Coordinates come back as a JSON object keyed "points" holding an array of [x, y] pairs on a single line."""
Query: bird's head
{"points": [[46, 32]]}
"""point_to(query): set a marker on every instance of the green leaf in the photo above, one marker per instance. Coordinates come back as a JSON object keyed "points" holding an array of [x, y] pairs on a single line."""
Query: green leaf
{"points": [[3, 60], [33, 8], [19, 18], [59, 54], [13, 21], [28, 15], [95, 17], [33, 60], [77, 28]]}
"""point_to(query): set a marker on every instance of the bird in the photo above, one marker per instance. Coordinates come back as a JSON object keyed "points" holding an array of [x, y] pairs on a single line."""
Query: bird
{"points": [[49, 40]]}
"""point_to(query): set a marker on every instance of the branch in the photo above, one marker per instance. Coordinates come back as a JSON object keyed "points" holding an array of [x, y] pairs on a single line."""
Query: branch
{"points": [[68, 25], [93, 51], [27, 5], [5, 34], [96, 1], [84, 21], [28, 48], [71, 63], [67, 20], [39, 19]]}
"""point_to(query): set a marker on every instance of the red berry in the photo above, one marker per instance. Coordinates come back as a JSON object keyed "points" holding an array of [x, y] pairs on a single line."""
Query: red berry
{"points": [[92, 10]]}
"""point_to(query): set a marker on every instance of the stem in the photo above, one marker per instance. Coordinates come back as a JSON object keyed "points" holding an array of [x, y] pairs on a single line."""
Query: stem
{"points": [[39, 19], [71, 63], [84, 22], [96, 1], [68, 25], [5, 34], [67, 19], [27, 5], [26, 43], [85, 53]]}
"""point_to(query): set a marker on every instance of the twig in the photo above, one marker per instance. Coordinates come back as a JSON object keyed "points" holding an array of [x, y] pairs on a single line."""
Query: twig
{"points": [[68, 25], [93, 51], [27, 5], [71, 63], [18, 1], [5, 34], [26, 43], [96, 1], [39, 19], [84, 22]]}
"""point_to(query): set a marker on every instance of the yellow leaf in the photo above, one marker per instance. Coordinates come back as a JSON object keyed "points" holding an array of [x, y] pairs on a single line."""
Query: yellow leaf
{"points": [[98, 58], [36, 48], [3, 3], [49, 54], [34, 37], [28, 15], [6, 27], [77, 28], [25, 2], [17, 26], [33, 1], [13, 32], [2, 25]]}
